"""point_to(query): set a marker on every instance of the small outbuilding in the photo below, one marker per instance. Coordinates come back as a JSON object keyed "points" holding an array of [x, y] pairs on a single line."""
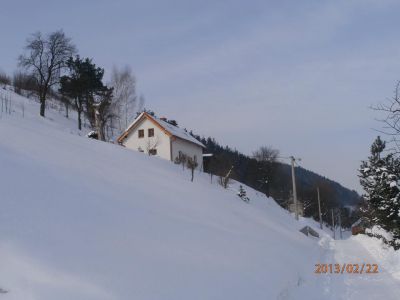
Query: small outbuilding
{"points": [[359, 226]]}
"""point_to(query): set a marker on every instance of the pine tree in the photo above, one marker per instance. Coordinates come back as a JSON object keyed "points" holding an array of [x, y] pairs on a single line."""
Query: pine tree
{"points": [[83, 83], [379, 177]]}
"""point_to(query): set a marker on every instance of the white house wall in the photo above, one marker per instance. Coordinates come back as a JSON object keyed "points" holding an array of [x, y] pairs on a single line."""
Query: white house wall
{"points": [[163, 141], [189, 149]]}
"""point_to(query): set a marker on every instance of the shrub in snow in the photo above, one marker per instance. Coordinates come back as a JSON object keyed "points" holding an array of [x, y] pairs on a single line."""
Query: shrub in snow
{"points": [[242, 194], [4, 79], [93, 135], [379, 177], [181, 159], [192, 165], [379, 232], [387, 237]]}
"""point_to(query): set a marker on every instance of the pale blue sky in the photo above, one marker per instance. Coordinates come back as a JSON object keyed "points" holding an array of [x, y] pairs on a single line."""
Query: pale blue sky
{"points": [[297, 75]]}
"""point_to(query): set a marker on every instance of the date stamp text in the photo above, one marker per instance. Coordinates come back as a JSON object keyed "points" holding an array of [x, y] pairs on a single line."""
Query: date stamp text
{"points": [[346, 268]]}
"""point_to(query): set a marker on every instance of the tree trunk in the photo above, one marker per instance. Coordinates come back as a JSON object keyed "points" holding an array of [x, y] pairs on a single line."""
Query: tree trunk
{"points": [[42, 97], [102, 136], [42, 106], [192, 174], [66, 110], [78, 106], [79, 120]]}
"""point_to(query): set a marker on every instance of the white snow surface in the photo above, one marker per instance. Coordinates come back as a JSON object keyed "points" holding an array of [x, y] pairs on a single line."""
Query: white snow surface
{"points": [[379, 231], [83, 219]]}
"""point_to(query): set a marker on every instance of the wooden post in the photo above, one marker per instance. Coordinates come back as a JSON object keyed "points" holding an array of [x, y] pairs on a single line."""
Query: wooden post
{"points": [[319, 209], [333, 226]]}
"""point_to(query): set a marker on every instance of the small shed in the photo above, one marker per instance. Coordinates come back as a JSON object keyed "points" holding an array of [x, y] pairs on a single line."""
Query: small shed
{"points": [[359, 226]]}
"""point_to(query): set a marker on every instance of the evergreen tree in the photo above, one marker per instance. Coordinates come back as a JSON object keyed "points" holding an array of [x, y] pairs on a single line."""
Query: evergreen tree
{"points": [[82, 84], [379, 177], [242, 194]]}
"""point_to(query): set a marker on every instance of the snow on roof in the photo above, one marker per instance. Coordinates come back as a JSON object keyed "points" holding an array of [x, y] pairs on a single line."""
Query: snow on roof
{"points": [[361, 221], [356, 223], [178, 132], [173, 130]]}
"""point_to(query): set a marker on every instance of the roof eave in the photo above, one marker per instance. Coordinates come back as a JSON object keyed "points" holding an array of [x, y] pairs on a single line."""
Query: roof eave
{"points": [[200, 144]]}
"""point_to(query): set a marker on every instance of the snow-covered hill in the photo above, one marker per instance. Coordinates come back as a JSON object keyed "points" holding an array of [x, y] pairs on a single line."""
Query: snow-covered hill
{"points": [[83, 219]]}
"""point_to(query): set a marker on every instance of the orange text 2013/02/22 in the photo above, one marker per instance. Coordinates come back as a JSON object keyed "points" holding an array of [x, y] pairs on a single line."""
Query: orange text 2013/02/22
{"points": [[346, 268]]}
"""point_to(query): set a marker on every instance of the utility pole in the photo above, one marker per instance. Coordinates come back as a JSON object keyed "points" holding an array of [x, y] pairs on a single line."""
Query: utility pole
{"points": [[340, 225], [296, 212], [319, 209], [333, 226]]}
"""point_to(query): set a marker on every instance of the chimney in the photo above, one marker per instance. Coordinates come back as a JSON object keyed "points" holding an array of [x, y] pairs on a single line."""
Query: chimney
{"points": [[163, 119]]}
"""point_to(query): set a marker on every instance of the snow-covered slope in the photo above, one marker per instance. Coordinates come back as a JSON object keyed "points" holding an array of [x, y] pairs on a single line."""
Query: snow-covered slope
{"points": [[83, 219]]}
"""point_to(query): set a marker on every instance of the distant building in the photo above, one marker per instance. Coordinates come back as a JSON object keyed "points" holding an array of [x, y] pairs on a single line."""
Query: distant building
{"points": [[359, 226], [307, 230], [155, 136]]}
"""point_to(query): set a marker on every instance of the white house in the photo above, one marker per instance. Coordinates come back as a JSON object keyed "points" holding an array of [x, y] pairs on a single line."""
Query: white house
{"points": [[156, 136]]}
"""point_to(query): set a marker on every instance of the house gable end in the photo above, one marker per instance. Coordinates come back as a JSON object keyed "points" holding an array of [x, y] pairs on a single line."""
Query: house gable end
{"points": [[137, 123]]}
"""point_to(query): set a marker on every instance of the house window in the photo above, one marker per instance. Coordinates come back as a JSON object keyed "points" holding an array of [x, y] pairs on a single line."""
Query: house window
{"points": [[141, 133], [153, 151], [151, 132]]}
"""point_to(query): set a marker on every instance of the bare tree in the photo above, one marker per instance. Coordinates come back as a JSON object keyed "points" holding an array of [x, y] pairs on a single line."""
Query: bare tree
{"points": [[192, 165], [67, 102], [267, 158], [5, 104], [391, 120], [224, 180], [181, 159], [45, 57], [266, 154], [124, 84], [151, 145]]}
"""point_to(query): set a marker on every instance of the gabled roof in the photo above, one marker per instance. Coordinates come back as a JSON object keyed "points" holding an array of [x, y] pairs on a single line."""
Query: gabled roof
{"points": [[168, 129]]}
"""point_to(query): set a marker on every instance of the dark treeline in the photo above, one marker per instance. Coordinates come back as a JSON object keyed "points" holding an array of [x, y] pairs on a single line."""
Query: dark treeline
{"points": [[274, 179]]}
